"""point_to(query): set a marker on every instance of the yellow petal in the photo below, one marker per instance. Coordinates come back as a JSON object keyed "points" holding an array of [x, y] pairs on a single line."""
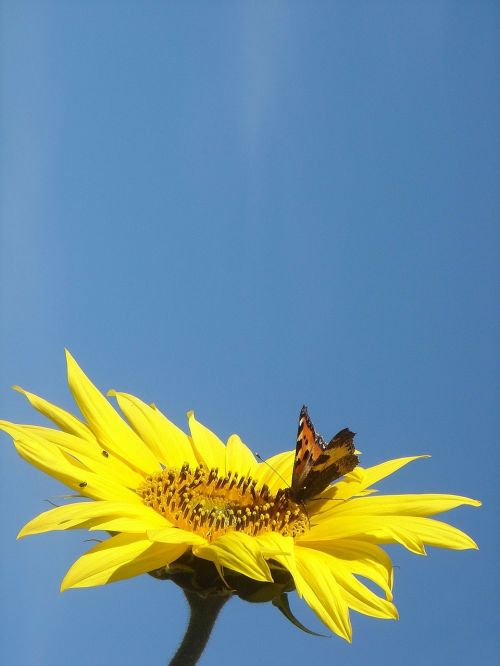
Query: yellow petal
{"points": [[174, 535], [236, 551], [121, 556], [313, 581], [371, 475], [403, 505], [90, 454], [239, 458], [411, 532], [110, 429], [91, 514], [209, 449], [316, 583], [66, 421], [120, 524], [359, 597], [170, 445], [359, 557], [430, 531], [50, 459], [361, 478], [277, 547]]}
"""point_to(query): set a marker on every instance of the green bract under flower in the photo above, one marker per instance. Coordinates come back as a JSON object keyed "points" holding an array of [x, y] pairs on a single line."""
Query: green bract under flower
{"points": [[209, 515]]}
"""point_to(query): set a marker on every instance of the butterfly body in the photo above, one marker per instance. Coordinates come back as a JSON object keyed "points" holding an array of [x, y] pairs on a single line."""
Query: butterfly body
{"points": [[317, 463]]}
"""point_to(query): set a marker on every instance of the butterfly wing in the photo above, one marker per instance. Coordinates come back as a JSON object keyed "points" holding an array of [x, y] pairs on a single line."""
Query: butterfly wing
{"points": [[336, 459], [318, 464], [308, 450]]}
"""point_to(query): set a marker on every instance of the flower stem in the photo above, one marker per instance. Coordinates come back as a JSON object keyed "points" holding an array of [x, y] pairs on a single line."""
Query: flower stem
{"points": [[203, 613]]}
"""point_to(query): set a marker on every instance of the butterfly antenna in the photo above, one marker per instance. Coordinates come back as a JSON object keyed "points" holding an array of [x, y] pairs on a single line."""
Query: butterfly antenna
{"points": [[327, 499], [271, 467], [52, 503]]}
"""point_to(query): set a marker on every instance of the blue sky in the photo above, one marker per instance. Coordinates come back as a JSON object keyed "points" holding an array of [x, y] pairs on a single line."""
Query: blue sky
{"points": [[239, 207]]}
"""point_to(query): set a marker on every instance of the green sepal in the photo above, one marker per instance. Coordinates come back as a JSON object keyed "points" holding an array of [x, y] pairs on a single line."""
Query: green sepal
{"points": [[262, 593], [283, 605]]}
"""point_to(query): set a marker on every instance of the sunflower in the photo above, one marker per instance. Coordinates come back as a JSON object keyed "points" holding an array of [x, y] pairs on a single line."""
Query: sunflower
{"points": [[215, 519]]}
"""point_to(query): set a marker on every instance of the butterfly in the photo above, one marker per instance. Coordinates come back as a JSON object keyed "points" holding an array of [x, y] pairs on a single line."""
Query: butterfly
{"points": [[317, 463]]}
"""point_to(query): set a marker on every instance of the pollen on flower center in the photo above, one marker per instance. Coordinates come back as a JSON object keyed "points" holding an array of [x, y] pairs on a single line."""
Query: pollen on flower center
{"points": [[203, 502]]}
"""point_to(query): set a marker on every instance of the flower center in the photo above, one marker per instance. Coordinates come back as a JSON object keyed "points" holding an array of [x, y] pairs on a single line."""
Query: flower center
{"points": [[203, 502]]}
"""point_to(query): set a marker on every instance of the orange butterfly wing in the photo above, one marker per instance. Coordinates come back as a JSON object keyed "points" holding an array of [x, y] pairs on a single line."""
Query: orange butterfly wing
{"points": [[316, 463]]}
